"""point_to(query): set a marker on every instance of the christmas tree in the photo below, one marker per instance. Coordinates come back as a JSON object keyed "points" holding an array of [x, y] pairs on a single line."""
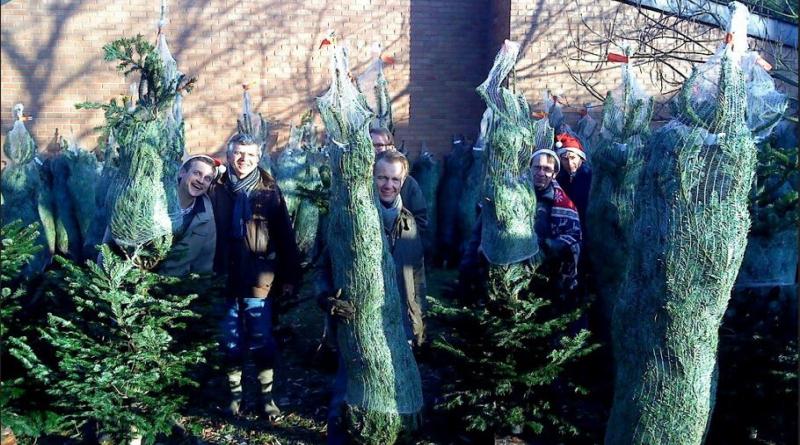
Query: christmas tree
{"points": [[384, 394], [119, 362], [508, 355]]}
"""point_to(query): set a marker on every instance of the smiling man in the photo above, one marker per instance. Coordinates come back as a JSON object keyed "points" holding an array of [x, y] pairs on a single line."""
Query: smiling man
{"points": [[255, 248], [390, 172], [194, 242]]}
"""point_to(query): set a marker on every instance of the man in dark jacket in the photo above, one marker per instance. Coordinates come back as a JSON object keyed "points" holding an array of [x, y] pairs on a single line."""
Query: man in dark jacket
{"points": [[411, 193], [255, 245]]}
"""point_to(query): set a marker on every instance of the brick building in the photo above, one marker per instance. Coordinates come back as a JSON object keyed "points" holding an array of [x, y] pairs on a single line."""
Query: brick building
{"points": [[52, 58]]}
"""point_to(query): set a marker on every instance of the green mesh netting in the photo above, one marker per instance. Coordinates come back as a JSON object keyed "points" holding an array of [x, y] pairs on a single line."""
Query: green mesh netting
{"points": [[689, 232], [383, 382], [510, 201], [616, 166]]}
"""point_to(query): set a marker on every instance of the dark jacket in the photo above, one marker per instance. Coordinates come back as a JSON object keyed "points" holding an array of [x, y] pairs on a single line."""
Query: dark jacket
{"points": [[577, 188], [268, 247], [414, 202], [193, 250]]}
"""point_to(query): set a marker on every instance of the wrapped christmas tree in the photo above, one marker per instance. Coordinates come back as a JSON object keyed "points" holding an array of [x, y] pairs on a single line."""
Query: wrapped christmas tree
{"points": [[26, 191], [507, 353], [374, 87], [428, 172], [142, 198], [689, 231], [456, 164], [384, 394], [255, 125], [616, 167]]}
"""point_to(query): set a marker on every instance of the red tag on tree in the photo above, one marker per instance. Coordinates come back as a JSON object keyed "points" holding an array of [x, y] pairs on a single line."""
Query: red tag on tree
{"points": [[614, 57]]}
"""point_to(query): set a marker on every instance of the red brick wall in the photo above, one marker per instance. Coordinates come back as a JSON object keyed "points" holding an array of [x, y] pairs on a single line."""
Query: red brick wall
{"points": [[51, 59]]}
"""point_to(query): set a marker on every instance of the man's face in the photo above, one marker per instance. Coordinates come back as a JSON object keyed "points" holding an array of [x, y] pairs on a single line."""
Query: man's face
{"points": [[389, 177], [380, 142], [196, 180], [243, 159], [571, 162], [544, 169]]}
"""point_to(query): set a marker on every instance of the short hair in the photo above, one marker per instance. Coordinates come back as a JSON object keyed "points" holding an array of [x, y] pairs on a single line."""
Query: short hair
{"points": [[382, 131], [242, 139], [392, 156], [187, 164]]}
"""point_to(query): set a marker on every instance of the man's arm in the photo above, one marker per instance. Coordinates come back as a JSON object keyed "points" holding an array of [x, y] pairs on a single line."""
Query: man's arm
{"points": [[282, 234], [414, 202]]}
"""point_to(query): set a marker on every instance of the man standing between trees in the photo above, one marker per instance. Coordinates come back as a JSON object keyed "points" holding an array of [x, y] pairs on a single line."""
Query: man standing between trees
{"points": [[255, 246]]}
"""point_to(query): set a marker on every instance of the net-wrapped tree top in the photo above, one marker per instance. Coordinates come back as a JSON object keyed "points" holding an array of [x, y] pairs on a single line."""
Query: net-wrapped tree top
{"points": [[143, 197], [509, 199], [373, 84], [19, 146]]}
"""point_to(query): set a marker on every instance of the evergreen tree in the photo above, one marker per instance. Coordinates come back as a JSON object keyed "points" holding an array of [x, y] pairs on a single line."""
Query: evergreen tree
{"points": [[384, 393], [508, 355], [22, 369], [119, 362]]}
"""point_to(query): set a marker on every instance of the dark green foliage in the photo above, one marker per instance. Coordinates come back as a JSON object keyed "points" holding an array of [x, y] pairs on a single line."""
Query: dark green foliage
{"points": [[451, 187], [470, 195], [22, 369], [508, 359], [774, 202], [69, 241], [119, 362], [428, 172]]}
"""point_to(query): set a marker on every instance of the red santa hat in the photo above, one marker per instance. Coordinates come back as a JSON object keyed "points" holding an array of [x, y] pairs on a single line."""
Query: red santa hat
{"points": [[566, 142], [219, 167]]}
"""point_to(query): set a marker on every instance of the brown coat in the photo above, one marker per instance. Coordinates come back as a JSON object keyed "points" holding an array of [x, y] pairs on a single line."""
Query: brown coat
{"points": [[268, 248]]}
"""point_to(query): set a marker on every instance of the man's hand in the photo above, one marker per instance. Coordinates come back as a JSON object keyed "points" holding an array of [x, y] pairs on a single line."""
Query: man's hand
{"points": [[287, 291], [337, 307]]}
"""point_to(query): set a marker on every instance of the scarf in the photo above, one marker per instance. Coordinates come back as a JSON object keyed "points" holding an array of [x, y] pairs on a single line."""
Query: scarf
{"points": [[390, 213], [241, 189]]}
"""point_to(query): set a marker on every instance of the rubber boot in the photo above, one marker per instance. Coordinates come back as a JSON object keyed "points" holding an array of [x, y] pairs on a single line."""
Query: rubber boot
{"points": [[269, 408], [235, 386]]}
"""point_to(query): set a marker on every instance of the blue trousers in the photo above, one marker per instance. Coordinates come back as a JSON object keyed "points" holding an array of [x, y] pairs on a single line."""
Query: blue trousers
{"points": [[247, 325]]}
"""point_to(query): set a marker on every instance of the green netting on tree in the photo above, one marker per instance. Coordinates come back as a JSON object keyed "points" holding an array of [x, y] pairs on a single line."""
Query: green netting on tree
{"points": [[255, 125], [374, 86], [68, 233], [142, 199], [19, 146], [384, 393], [26, 192], [510, 202], [616, 166], [765, 105], [428, 172], [689, 232]]}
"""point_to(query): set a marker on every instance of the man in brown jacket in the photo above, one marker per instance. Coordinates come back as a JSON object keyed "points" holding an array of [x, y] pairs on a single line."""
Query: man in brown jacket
{"points": [[255, 248], [196, 239]]}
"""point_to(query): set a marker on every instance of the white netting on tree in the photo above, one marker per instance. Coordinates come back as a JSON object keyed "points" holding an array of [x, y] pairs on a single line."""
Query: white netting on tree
{"points": [[343, 108], [373, 84], [765, 105], [19, 145], [510, 202], [627, 111]]}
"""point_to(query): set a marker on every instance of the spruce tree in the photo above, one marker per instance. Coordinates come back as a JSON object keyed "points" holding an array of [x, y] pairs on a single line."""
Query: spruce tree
{"points": [[22, 369], [119, 363], [689, 231], [508, 353]]}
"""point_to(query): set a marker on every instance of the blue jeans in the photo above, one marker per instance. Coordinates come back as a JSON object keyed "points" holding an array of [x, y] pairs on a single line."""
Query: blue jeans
{"points": [[247, 325]]}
